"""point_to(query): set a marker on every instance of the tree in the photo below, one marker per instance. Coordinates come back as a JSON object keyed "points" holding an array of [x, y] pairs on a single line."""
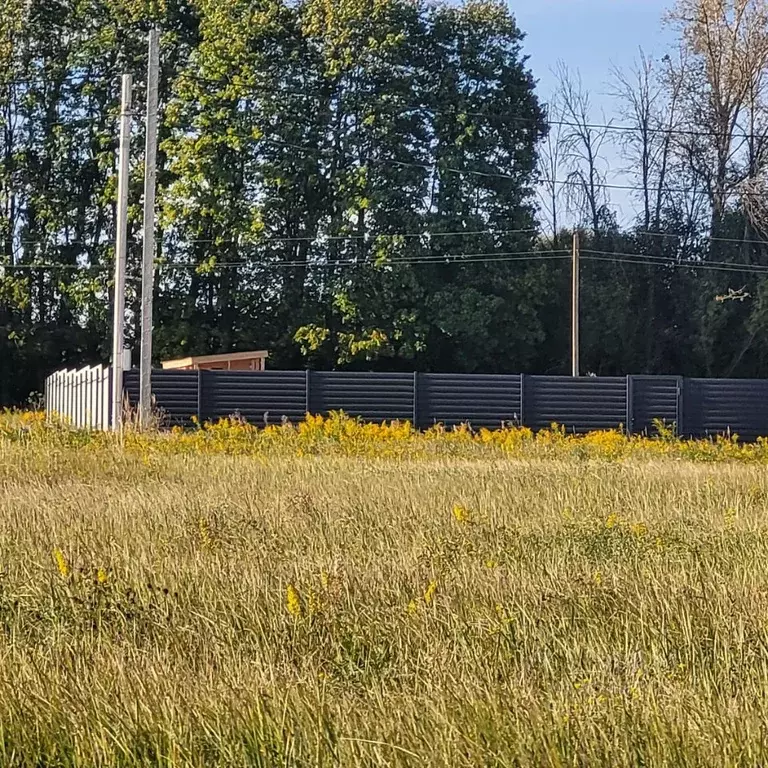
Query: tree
{"points": [[721, 74], [583, 143], [314, 147]]}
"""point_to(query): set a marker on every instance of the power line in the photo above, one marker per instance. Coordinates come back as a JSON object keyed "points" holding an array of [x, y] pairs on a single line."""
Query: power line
{"points": [[447, 259], [658, 261], [678, 265], [404, 105], [461, 258], [484, 174], [373, 238], [740, 241], [567, 182], [307, 238]]}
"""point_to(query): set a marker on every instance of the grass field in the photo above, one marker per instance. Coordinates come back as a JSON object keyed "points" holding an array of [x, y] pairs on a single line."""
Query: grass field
{"points": [[347, 596]]}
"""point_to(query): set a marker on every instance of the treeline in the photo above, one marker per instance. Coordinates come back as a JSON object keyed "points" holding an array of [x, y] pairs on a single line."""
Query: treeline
{"points": [[354, 184]]}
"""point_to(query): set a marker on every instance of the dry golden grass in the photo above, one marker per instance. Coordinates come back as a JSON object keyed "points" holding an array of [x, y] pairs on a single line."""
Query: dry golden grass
{"points": [[451, 608]]}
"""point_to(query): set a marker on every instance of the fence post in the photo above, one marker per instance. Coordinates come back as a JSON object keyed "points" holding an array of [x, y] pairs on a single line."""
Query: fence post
{"points": [[521, 416], [72, 398], [69, 409], [96, 396], [82, 389], [415, 399], [630, 425], [308, 392], [103, 417], [60, 394], [55, 388], [680, 412], [91, 398], [84, 379], [72, 375], [106, 402], [74, 414], [77, 398]]}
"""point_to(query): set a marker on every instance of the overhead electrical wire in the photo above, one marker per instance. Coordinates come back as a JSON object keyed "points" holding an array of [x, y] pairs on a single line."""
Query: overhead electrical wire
{"points": [[709, 238], [473, 172], [460, 258], [313, 238], [448, 258], [434, 259], [89, 79], [643, 260]]}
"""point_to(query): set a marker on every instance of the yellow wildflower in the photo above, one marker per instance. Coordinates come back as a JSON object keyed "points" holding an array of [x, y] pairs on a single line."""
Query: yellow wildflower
{"points": [[462, 514], [412, 607], [429, 593], [491, 564], [101, 576], [293, 602], [61, 563], [597, 577], [639, 529], [612, 521]]}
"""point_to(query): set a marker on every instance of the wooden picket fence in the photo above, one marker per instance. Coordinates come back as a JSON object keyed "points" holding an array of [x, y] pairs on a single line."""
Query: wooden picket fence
{"points": [[80, 398]]}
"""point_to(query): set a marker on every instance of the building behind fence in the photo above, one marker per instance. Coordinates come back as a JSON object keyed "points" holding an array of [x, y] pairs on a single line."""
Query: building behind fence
{"points": [[697, 407]]}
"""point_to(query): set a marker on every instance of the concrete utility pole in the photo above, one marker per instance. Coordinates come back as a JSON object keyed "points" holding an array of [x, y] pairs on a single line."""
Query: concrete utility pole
{"points": [[121, 245], [575, 308], [147, 271]]}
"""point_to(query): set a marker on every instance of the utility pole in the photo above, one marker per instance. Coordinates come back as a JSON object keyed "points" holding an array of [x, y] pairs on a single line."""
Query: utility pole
{"points": [[575, 308], [147, 270], [121, 245]]}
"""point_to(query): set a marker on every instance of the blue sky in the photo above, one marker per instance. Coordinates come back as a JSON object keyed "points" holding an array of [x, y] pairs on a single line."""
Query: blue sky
{"points": [[589, 35], [592, 36]]}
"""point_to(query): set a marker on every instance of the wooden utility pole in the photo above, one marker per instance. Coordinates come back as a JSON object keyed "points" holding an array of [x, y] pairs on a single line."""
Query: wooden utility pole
{"points": [[575, 308], [121, 245], [148, 256]]}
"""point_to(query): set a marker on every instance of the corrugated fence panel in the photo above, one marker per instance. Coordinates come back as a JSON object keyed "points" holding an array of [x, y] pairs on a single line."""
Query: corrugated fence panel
{"points": [[653, 397], [708, 406], [174, 394], [475, 399], [260, 397], [716, 406], [372, 396], [580, 405]]}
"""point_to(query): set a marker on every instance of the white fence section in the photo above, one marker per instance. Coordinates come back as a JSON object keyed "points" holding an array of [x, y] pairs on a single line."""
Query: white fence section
{"points": [[80, 398]]}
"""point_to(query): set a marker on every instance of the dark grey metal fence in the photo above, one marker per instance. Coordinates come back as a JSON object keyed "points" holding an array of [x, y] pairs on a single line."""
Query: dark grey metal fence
{"points": [[696, 407]]}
